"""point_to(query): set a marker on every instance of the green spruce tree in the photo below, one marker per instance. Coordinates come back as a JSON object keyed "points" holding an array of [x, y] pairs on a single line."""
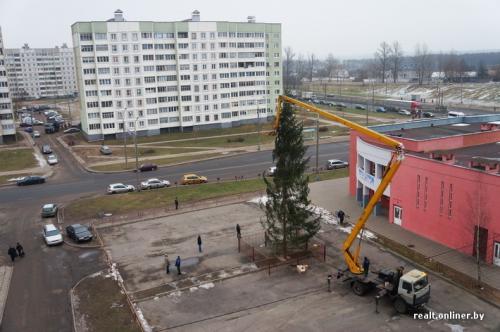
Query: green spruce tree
{"points": [[289, 222]]}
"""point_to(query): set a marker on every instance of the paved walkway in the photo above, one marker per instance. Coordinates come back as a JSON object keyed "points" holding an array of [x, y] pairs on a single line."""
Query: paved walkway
{"points": [[5, 276], [334, 194]]}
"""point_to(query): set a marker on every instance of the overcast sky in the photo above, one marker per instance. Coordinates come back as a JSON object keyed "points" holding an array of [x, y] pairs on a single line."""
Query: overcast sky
{"points": [[351, 28]]}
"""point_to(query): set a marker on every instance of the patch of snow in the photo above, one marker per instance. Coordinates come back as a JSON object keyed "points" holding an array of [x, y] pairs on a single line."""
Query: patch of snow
{"points": [[15, 179], [142, 320], [114, 273], [258, 200], [175, 294], [455, 327], [193, 289], [224, 274], [93, 275], [156, 298], [41, 161], [208, 285]]}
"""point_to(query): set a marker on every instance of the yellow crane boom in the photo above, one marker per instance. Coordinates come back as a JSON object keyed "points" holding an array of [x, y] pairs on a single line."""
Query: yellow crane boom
{"points": [[352, 260]]}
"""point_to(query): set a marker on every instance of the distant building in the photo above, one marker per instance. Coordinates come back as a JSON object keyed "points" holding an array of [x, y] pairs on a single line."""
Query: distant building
{"points": [[448, 185], [7, 125], [159, 77], [41, 72]]}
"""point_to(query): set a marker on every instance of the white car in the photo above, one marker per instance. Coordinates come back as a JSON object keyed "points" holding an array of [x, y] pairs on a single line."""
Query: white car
{"points": [[271, 171], [52, 159], [404, 112], [117, 188], [36, 133], [51, 235], [154, 183], [335, 163]]}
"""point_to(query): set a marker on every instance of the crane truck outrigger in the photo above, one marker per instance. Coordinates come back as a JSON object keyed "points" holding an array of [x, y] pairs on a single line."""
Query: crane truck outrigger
{"points": [[408, 290]]}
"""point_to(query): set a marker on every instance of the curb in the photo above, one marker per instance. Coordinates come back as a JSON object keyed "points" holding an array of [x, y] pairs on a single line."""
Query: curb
{"points": [[4, 291], [81, 246]]}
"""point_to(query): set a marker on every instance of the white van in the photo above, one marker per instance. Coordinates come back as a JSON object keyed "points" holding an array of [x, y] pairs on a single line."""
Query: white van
{"points": [[455, 114]]}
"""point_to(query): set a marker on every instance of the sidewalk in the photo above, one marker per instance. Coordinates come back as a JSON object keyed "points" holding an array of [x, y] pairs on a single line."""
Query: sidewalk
{"points": [[334, 194], [5, 276]]}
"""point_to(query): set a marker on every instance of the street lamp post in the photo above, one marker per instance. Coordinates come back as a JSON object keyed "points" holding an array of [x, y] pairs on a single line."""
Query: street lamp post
{"points": [[124, 112], [317, 146], [136, 155], [258, 128]]}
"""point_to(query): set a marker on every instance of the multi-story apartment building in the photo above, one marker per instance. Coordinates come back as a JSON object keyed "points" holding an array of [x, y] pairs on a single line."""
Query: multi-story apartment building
{"points": [[156, 77], [41, 72], [7, 125]]}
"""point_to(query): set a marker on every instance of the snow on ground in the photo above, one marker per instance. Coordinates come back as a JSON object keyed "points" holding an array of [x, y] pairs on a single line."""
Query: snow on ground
{"points": [[327, 217], [41, 161], [114, 273], [455, 327], [208, 285], [142, 320]]}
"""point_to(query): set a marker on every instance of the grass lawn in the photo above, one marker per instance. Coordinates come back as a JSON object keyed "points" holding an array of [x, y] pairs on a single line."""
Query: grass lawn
{"points": [[103, 307], [18, 159], [160, 161], [226, 142], [123, 203], [118, 151]]}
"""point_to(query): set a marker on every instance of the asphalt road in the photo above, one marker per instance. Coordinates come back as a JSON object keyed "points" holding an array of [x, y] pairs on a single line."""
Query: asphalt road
{"points": [[38, 298]]}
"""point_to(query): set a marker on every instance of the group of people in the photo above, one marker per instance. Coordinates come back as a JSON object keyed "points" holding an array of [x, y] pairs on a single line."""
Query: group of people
{"points": [[198, 241], [18, 251]]}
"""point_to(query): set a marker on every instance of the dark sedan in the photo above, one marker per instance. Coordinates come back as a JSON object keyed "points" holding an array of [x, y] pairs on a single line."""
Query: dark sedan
{"points": [[147, 167], [79, 233], [28, 180]]}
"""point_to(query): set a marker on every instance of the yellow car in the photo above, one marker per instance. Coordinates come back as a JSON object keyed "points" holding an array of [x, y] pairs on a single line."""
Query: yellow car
{"points": [[193, 179]]}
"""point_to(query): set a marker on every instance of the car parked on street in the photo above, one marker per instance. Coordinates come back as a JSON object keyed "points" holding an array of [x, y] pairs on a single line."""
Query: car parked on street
{"points": [[49, 210], [46, 149], [71, 130], [336, 163], [35, 134], [147, 168], [118, 188], [29, 180], [105, 150], [404, 112], [359, 107], [428, 115], [51, 235], [193, 179], [28, 129], [154, 183], [79, 233], [380, 109], [52, 159]]}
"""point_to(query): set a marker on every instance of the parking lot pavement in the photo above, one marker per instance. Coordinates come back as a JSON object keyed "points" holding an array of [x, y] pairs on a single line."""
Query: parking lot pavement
{"points": [[139, 248]]}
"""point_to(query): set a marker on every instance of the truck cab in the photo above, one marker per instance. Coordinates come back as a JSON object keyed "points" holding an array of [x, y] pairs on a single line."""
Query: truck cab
{"points": [[413, 291]]}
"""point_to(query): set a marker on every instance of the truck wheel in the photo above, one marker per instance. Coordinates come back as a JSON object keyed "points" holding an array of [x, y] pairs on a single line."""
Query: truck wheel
{"points": [[400, 306], [358, 288]]}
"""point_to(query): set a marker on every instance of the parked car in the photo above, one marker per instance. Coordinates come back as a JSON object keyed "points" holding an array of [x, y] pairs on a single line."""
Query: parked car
{"points": [[50, 128], [79, 233], [147, 168], [154, 183], [359, 107], [331, 104], [25, 124], [380, 110], [316, 101], [51, 235], [117, 188], [404, 112], [335, 163], [35, 134], [46, 149], [193, 179], [105, 150], [49, 210], [341, 105], [71, 130], [271, 171], [52, 159], [28, 129], [428, 115], [29, 180]]}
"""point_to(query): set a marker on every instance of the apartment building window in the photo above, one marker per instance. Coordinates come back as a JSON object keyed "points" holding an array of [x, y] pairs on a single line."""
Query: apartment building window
{"points": [[226, 115], [116, 59], [90, 82], [149, 79], [91, 93], [182, 35], [182, 45], [94, 115], [104, 81], [135, 47], [103, 71], [147, 46], [185, 77], [87, 48], [216, 116], [100, 36], [92, 104], [183, 56], [152, 111], [184, 67], [103, 59], [186, 98], [94, 126], [150, 101], [135, 36], [148, 57], [146, 35], [117, 82], [125, 48], [441, 199], [108, 115], [85, 36], [101, 48], [108, 125], [185, 87], [206, 107], [88, 59], [88, 71], [105, 93], [426, 184], [107, 103]]}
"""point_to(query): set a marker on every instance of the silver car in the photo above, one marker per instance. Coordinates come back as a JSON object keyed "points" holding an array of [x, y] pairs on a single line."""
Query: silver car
{"points": [[335, 163], [118, 188], [154, 183], [51, 235]]}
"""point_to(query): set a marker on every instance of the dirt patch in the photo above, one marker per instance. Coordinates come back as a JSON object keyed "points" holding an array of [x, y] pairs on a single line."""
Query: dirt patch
{"points": [[99, 305]]}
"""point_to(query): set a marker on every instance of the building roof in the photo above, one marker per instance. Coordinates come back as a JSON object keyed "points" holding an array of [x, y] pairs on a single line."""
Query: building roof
{"points": [[436, 131]]}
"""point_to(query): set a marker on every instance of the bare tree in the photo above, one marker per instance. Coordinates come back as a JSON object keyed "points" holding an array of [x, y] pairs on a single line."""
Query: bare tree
{"points": [[310, 66], [330, 65], [288, 64], [422, 63], [382, 55], [451, 67], [395, 59]]}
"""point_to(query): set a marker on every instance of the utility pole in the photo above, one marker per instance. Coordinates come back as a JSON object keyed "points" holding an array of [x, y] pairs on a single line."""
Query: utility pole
{"points": [[136, 155], [317, 147], [69, 111], [258, 128], [125, 138]]}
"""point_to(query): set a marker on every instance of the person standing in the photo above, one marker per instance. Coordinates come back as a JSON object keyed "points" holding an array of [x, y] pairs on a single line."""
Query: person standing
{"points": [[341, 216], [366, 266], [20, 250], [12, 253], [178, 265], [176, 202], [167, 264], [199, 243], [238, 231]]}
